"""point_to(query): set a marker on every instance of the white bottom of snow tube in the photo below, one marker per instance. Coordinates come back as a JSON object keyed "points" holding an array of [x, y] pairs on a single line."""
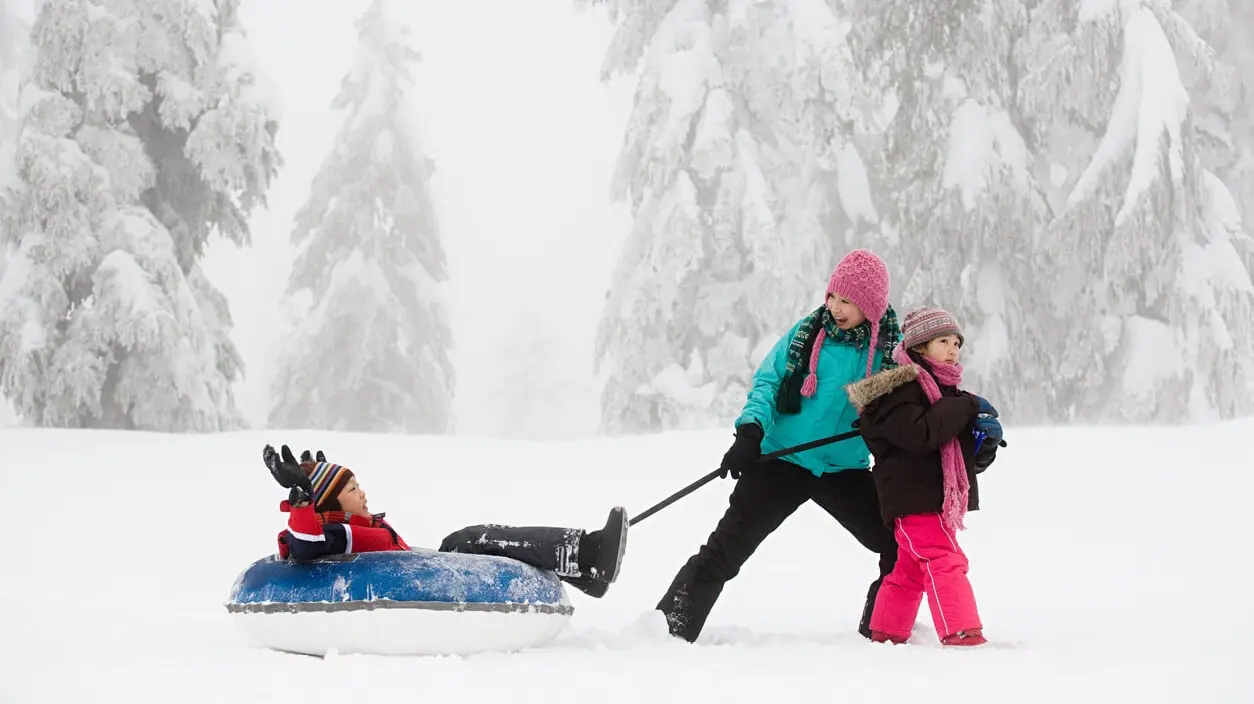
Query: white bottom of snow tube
{"points": [[401, 628]]}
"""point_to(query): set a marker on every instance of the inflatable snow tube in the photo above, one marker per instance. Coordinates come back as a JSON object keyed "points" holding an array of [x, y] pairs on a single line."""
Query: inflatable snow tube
{"points": [[419, 602]]}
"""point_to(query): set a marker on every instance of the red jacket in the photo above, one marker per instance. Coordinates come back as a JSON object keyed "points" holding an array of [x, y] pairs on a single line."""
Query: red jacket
{"points": [[310, 534]]}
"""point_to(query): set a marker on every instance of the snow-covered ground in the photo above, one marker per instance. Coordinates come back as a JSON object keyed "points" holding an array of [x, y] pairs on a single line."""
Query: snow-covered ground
{"points": [[1109, 565]]}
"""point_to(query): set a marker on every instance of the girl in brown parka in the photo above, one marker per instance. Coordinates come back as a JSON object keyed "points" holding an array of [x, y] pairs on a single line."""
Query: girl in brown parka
{"points": [[924, 433]]}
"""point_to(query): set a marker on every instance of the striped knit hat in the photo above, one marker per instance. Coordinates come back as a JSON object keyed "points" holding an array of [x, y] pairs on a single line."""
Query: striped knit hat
{"points": [[328, 481], [922, 325]]}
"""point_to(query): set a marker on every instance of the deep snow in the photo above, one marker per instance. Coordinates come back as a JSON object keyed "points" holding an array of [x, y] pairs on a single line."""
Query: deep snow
{"points": [[1108, 562]]}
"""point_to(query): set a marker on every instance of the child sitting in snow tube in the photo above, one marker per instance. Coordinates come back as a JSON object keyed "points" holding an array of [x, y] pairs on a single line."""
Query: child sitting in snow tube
{"points": [[328, 515]]}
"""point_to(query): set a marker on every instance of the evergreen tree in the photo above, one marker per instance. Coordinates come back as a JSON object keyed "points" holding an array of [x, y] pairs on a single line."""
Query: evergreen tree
{"points": [[373, 355], [14, 50], [147, 130], [955, 180], [741, 167], [1145, 239]]}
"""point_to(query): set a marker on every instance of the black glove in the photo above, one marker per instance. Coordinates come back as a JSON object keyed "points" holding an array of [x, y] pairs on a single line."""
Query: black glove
{"points": [[289, 474], [744, 453]]}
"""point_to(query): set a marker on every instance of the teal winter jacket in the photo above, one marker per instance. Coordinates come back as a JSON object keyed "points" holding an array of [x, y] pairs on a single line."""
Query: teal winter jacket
{"points": [[827, 413]]}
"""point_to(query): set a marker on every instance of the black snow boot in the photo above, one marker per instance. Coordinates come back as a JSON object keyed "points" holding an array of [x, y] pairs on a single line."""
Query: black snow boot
{"points": [[613, 540], [594, 588], [601, 555]]}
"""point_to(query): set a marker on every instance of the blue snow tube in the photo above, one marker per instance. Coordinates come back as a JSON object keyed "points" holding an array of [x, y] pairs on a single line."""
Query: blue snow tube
{"points": [[388, 588]]}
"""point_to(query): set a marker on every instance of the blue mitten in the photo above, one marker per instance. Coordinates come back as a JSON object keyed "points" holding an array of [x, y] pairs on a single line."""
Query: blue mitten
{"points": [[986, 408], [990, 427]]}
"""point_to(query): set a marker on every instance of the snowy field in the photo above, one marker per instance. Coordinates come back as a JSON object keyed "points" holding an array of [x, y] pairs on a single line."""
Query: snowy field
{"points": [[1108, 564]]}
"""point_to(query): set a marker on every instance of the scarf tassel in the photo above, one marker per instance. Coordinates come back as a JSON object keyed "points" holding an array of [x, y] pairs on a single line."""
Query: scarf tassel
{"points": [[811, 385]]}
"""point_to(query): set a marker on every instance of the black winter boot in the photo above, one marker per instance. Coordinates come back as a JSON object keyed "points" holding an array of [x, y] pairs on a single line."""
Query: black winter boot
{"points": [[594, 588], [601, 555]]}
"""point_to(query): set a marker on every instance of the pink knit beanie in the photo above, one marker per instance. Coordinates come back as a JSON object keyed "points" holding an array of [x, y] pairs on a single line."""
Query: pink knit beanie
{"points": [[922, 325], [861, 278]]}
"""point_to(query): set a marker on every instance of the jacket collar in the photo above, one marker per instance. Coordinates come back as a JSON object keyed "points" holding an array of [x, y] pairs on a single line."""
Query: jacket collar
{"points": [[863, 393]]}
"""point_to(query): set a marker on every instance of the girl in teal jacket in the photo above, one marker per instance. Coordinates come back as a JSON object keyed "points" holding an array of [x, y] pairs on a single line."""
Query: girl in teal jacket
{"points": [[798, 395]]}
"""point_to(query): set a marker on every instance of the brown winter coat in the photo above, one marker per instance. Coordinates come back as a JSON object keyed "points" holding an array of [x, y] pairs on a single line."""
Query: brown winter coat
{"points": [[905, 432]]}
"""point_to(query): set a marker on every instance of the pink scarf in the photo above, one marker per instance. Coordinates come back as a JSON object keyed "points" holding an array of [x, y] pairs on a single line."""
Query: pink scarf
{"points": [[953, 466]]}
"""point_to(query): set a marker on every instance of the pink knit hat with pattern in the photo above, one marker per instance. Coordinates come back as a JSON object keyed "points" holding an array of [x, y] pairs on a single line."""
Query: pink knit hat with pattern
{"points": [[861, 278], [922, 325]]}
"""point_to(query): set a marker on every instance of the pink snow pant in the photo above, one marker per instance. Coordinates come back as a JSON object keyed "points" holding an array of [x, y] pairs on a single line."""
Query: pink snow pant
{"points": [[928, 561]]}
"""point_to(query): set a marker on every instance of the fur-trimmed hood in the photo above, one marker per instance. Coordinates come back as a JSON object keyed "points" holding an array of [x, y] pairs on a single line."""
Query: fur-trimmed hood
{"points": [[862, 393]]}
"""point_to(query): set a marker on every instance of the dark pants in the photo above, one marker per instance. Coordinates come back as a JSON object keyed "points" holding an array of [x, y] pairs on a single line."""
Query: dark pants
{"points": [[764, 496], [552, 549]]}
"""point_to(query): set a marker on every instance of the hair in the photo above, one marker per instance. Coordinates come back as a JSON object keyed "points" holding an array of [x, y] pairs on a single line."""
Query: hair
{"points": [[921, 348]]}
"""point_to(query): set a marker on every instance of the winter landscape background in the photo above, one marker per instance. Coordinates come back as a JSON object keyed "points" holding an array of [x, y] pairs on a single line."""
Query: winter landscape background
{"points": [[595, 217], [592, 219]]}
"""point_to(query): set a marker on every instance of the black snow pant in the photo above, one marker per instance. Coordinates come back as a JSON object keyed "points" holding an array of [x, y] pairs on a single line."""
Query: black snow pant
{"points": [[553, 549], [764, 496]]}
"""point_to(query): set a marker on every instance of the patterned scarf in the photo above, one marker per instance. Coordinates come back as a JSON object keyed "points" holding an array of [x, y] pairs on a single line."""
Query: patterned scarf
{"points": [[375, 521], [953, 464], [325, 517], [793, 386]]}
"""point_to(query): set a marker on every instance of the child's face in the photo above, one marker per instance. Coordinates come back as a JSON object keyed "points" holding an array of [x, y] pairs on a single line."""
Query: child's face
{"points": [[847, 315], [353, 500], [946, 348]]}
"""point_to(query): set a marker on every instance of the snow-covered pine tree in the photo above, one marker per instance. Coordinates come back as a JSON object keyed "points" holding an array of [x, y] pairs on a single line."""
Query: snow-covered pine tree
{"points": [[955, 181], [1222, 107], [1152, 305], [14, 63], [745, 183], [146, 131], [14, 47], [373, 354], [1222, 94]]}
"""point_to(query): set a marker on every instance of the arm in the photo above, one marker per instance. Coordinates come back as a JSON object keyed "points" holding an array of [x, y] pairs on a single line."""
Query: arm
{"points": [[760, 408], [918, 428], [309, 539]]}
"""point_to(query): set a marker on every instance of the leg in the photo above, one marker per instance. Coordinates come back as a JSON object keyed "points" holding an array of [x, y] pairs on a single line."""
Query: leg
{"points": [[943, 568], [897, 605], [554, 549], [587, 560], [851, 499], [762, 499]]}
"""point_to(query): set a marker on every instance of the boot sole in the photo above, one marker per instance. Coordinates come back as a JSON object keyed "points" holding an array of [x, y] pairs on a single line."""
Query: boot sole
{"points": [[617, 525]]}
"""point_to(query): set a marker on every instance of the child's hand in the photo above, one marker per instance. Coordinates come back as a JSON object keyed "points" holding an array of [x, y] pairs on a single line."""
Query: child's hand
{"points": [[990, 428], [986, 408], [288, 474], [306, 457]]}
